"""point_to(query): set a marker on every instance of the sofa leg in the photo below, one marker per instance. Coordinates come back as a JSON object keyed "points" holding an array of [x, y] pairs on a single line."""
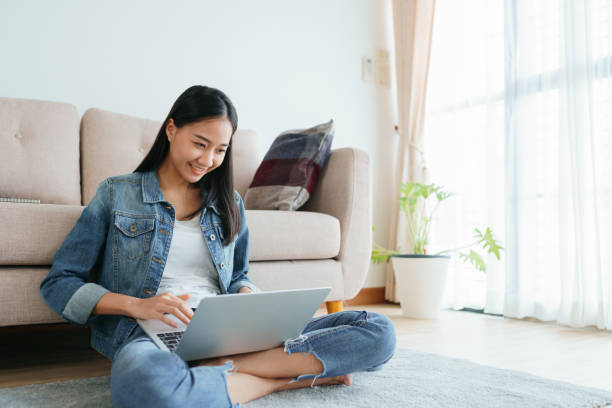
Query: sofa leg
{"points": [[334, 306]]}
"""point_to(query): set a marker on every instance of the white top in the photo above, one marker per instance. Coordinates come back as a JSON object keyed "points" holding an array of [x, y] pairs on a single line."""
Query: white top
{"points": [[189, 267]]}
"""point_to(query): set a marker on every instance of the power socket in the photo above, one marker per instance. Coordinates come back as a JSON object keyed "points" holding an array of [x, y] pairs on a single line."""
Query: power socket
{"points": [[377, 70], [367, 69]]}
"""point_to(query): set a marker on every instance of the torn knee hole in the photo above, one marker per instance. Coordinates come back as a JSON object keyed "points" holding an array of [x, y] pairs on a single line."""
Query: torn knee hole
{"points": [[290, 342], [229, 367]]}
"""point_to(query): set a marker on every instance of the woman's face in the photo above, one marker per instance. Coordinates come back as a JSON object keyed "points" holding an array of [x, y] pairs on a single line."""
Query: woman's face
{"points": [[199, 147]]}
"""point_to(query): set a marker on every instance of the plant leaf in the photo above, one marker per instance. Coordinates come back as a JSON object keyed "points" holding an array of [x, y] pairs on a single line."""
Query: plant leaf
{"points": [[380, 254], [417, 201], [489, 243], [475, 259]]}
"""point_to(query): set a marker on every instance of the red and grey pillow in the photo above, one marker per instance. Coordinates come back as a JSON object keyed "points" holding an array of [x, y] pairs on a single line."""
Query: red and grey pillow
{"points": [[290, 170]]}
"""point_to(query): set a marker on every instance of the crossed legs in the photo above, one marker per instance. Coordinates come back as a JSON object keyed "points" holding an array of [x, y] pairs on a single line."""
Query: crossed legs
{"points": [[329, 348], [263, 372]]}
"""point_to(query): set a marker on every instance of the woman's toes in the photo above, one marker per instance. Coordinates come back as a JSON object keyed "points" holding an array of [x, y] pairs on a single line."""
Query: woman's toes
{"points": [[341, 379], [347, 380]]}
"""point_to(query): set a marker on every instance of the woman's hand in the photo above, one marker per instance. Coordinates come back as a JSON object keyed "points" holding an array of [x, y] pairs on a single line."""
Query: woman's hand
{"points": [[155, 307], [245, 289]]}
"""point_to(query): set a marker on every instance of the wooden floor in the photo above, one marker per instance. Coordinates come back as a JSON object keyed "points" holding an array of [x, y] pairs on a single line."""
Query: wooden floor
{"points": [[580, 356]]}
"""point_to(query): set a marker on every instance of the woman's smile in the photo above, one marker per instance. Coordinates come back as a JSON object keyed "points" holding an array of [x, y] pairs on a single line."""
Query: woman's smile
{"points": [[197, 170]]}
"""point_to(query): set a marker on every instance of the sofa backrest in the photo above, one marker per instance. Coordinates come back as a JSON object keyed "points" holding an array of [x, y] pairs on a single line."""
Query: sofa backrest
{"points": [[114, 144], [39, 154]]}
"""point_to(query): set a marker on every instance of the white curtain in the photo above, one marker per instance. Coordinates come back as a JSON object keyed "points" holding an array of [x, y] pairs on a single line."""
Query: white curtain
{"points": [[412, 30], [558, 155], [524, 136]]}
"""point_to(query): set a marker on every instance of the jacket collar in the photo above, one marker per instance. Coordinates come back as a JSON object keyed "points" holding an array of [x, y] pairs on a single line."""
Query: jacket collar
{"points": [[151, 191]]}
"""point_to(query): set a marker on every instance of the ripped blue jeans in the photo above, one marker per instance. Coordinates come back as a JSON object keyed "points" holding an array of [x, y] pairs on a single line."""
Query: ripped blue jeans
{"points": [[344, 342]]}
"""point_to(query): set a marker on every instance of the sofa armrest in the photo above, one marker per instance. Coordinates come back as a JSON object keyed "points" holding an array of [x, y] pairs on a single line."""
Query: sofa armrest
{"points": [[343, 191]]}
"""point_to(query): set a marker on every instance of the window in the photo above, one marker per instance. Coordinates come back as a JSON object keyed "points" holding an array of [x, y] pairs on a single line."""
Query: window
{"points": [[496, 134]]}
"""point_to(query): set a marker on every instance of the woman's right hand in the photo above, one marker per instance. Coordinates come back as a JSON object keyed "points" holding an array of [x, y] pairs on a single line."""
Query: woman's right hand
{"points": [[155, 307]]}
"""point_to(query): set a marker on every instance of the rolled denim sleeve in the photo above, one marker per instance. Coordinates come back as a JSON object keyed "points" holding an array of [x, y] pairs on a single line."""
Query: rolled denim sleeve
{"points": [[240, 276], [67, 289]]}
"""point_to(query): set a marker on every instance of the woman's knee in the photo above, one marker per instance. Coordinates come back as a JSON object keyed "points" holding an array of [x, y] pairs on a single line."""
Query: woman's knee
{"points": [[385, 336], [142, 375]]}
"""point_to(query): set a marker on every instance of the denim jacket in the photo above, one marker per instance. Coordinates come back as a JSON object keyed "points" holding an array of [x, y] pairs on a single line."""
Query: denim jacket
{"points": [[124, 234]]}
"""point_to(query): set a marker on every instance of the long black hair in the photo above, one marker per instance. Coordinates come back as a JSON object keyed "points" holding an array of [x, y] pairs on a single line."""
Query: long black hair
{"points": [[197, 103]]}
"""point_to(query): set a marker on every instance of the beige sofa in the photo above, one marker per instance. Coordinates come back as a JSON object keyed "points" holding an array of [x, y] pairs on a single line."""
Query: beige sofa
{"points": [[48, 154]]}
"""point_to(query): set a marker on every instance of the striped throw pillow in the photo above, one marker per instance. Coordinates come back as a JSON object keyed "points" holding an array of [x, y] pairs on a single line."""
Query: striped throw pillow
{"points": [[289, 172]]}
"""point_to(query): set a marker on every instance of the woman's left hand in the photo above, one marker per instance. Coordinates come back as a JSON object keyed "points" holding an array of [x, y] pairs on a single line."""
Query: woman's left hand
{"points": [[245, 289]]}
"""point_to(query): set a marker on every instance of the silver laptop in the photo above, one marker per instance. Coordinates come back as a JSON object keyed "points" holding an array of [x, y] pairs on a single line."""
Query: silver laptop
{"points": [[238, 323]]}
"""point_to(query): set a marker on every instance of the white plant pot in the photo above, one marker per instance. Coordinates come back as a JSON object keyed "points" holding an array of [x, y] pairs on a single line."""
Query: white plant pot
{"points": [[420, 282]]}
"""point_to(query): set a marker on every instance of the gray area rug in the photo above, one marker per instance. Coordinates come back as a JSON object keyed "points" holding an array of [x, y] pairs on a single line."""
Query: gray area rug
{"points": [[410, 379]]}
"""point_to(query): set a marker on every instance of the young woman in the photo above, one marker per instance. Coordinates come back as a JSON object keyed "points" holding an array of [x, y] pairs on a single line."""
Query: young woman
{"points": [[164, 237]]}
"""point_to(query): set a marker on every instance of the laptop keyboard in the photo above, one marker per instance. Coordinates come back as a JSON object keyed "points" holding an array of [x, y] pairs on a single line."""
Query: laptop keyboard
{"points": [[171, 339]]}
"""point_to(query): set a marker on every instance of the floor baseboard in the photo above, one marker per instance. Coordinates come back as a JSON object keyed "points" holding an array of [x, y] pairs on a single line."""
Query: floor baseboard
{"points": [[367, 296]]}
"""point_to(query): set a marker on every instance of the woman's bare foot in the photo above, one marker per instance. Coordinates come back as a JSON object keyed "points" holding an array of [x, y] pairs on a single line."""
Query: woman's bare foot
{"points": [[244, 388], [341, 379]]}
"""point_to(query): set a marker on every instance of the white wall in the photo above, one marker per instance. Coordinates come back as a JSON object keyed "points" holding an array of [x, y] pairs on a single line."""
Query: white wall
{"points": [[284, 64]]}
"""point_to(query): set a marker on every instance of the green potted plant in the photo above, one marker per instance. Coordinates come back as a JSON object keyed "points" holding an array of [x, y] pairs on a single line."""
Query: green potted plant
{"points": [[421, 277]]}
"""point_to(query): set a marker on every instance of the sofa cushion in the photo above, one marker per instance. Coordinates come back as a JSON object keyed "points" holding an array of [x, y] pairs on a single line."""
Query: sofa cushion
{"points": [[113, 144], [280, 235], [278, 275], [289, 172], [39, 158], [20, 299], [31, 234], [245, 158], [21, 302]]}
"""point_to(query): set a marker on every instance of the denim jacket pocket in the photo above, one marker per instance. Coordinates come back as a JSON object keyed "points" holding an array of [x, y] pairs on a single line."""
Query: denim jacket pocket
{"points": [[133, 235]]}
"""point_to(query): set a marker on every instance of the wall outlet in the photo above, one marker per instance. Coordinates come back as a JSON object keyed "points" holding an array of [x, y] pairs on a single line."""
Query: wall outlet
{"points": [[367, 69], [377, 70]]}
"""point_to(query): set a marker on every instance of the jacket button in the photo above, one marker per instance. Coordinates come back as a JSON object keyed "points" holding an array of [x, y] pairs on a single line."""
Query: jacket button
{"points": [[212, 237], [222, 265], [133, 227]]}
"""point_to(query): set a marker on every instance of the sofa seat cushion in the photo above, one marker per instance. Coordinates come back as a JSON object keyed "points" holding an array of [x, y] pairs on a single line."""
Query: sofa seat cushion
{"points": [[284, 235], [31, 234]]}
